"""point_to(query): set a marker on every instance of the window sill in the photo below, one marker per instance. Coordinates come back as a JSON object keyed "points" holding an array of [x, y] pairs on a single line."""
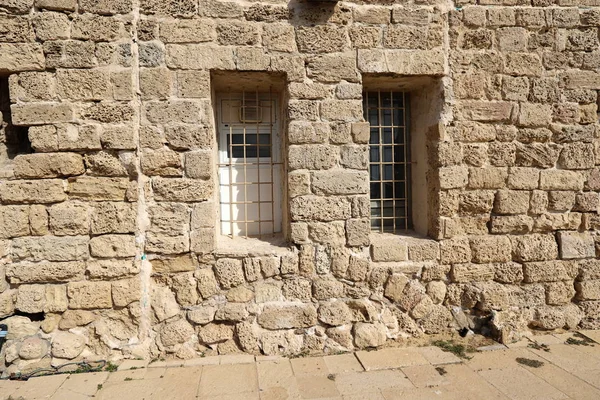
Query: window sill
{"points": [[406, 246], [251, 247]]}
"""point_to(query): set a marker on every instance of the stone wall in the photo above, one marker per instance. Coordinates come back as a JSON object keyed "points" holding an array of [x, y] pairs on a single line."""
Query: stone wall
{"points": [[108, 238]]}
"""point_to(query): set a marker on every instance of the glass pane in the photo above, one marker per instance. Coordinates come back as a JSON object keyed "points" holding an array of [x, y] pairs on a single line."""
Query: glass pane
{"points": [[375, 172], [374, 136], [387, 117], [386, 99], [398, 100], [388, 172], [400, 190], [398, 117], [238, 152], [265, 151], [388, 190], [399, 154], [251, 152], [373, 117], [387, 153], [398, 135], [375, 190], [374, 153], [387, 135]]}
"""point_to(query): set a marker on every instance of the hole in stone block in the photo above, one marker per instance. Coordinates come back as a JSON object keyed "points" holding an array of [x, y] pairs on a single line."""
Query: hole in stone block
{"points": [[14, 140]]}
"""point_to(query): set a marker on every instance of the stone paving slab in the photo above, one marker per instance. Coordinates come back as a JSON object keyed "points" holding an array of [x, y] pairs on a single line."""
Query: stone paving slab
{"points": [[565, 371]]}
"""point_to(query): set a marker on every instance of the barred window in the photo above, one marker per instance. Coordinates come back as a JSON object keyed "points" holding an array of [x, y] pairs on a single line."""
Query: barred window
{"points": [[389, 160], [250, 164]]}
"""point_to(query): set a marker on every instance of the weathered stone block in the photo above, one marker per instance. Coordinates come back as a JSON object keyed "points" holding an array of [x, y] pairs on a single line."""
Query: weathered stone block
{"points": [[229, 272], [89, 295], [287, 316], [51, 248], [44, 272], [313, 208], [90, 188], [16, 57], [69, 219], [41, 113], [113, 217], [537, 247], [182, 190], [576, 245], [113, 246], [110, 269], [489, 249]]}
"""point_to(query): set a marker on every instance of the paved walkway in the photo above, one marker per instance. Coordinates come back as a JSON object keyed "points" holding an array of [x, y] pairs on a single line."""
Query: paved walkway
{"points": [[552, 369]]}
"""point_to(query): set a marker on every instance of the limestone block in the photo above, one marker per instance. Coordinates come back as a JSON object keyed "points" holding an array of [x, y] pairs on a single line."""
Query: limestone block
{"points": [[488, 249], [561, 180], [43, 138], [252, 268], [334, 313], [185, 288], [70, 54], [72, 137], [405, 37], [523, 178], [577, 156], [559, 293], [44, 272], [181, 190], [297, 289], [163, 303], [487, 178], [252, 59], [561, 200], [486, 111], [357, 232], [162, 162], [332, 68], [588, 290], [16, 57], [573, 133], [199, 57], [179, 331], [322, 39], [172, 265], [292, 65], [178, 111], [188, 136], [92, 188], [522, 64], [33, 348], [453, 177], [155, 83], [89, 295], [270, 266], [339, 182], [31, 298], [14, 221], [394, 287], [198, 164], [454, 251], [104, 164], [165, 244], [552, 222], [536, 247], [113, 246], [576, 245], [304, 132], [369, 335], [98, 28], [513, 224], [51, 248], [580, 80], [341, 110], [327, 288], [152, 54], [534, 114], [240, 294], [237, 33], [169, 218], [110, 269], [313, 208], [113, 217], [511, 202], [69, 219], [389, 249], [413, 62], [464, 273], [41, 113], [287, 316], [104, 7], [229, 272], [203, 215], [48, 165], [188, 31], [232, 312], [279, 37], [303, 110], [202, 315], [215, 333], [32, 86], [477, 202], [67, 345], [83, 84]]}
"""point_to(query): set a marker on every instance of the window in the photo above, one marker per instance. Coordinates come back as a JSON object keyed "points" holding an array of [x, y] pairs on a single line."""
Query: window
{"points": [[14, 140], [389, 160], [250, 166]]}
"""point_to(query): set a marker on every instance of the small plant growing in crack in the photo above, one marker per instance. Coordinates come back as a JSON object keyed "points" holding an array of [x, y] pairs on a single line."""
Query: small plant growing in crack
{"points": [[529, 362], [458, 350], [128, 379], [580, 340], [99, 386], [538, 346], [441, 370], [331, 377], [110, 367]]}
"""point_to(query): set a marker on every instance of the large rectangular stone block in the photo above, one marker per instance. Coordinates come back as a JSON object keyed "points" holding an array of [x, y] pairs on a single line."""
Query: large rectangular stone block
{"points": [[561, 180], [195, 56], [92, 188], [44, 272], [41, 113], [181, 189], [51, 248], [49, 165], [89, 295], [340, 182], [314, 208], [42, 191], [16, 57], [14, 221], [576, 245]]}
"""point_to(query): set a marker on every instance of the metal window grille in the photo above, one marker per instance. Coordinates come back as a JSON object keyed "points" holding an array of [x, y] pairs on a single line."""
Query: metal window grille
{"points": [[250, 164], [389, 160]]}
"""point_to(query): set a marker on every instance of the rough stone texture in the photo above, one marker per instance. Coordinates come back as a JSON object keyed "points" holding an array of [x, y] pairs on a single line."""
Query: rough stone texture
{"points": [[109, 221]]}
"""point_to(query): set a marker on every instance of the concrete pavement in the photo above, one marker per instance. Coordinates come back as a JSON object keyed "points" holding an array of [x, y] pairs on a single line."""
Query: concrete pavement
{"points": [[560, 366]]}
